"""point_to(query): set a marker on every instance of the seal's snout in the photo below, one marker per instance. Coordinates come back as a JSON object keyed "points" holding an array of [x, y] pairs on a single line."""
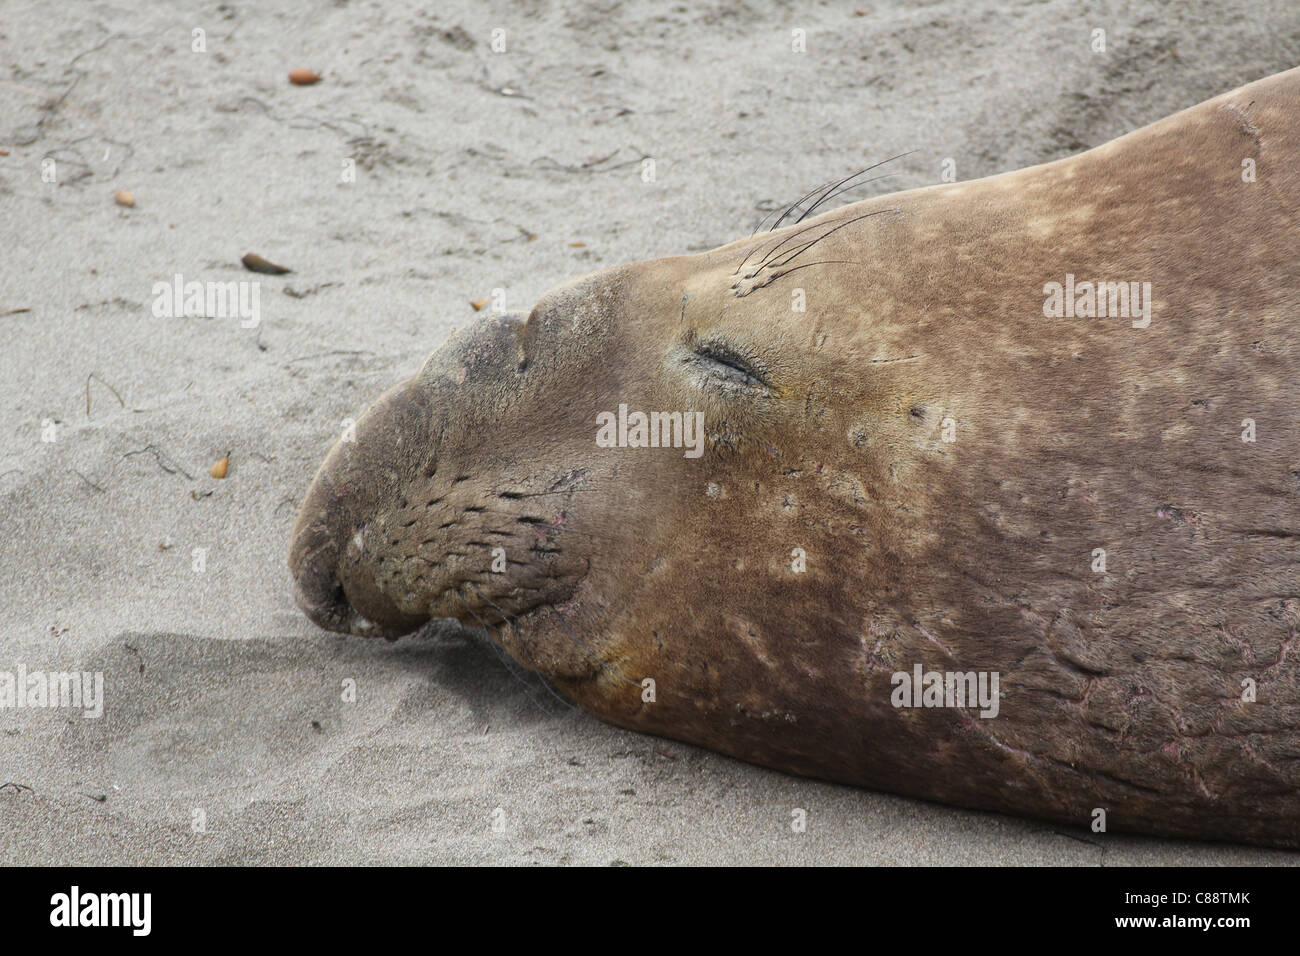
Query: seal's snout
{"points": [[333, 555], [317, 588], [316, 563], [338, 591], [339, 595], [376, 539]]}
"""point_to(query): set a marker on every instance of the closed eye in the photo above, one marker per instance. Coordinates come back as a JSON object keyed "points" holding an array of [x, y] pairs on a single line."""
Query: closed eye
{"points": [[726, 366]]}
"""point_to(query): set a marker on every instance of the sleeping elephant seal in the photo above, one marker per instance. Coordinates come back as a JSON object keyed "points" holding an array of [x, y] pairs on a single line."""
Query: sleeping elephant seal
{"points": [[986, 493]]}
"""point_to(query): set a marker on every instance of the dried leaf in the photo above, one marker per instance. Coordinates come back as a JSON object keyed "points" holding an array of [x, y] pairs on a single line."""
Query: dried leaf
{"points": [[255, 263]]}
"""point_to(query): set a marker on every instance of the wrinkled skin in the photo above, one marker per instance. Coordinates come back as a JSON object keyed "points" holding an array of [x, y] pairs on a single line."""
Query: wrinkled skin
{"points": [[1121, 690]]}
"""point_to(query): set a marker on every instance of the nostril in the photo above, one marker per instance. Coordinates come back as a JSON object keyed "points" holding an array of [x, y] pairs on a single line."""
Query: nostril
{"points": [[338, 598], [323, 599]]}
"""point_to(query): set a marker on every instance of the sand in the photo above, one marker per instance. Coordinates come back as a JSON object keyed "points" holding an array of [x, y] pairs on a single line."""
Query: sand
{"points": [[225, 737]]}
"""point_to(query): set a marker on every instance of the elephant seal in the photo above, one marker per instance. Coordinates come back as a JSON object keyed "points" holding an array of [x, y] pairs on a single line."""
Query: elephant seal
{"points": [[997, 502]]}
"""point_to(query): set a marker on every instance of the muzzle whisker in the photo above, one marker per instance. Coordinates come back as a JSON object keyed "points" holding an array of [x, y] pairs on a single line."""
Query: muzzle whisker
{"points": [[505, 619], [590, 653], [516, 515], [501, 654]]}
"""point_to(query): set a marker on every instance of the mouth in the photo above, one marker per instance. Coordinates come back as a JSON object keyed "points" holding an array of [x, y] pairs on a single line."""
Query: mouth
{"points": [[545, 639], [337, 590], [358, 572]]}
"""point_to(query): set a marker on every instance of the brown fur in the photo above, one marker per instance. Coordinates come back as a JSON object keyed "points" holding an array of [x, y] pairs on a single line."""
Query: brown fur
{"points": [[1121, 690]]}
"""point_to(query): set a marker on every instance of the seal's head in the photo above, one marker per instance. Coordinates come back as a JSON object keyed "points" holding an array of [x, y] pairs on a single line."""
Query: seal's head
{"points": [[724, 474], [636, 461]]}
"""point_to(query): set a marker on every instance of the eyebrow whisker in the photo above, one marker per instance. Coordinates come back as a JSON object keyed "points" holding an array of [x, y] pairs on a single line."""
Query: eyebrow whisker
{"points": [[828, 190], [804, 248]]}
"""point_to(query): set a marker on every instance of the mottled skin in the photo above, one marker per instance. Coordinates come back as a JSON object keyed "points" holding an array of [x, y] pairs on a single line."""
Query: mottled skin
{"points": [[1121, 690]]}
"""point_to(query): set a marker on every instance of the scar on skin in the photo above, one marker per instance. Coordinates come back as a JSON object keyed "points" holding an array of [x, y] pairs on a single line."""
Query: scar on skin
{"points": [[1247, 126]]}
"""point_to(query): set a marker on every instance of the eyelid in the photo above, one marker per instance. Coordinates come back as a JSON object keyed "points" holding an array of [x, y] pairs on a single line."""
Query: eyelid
{"points": [[724, 354]]}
